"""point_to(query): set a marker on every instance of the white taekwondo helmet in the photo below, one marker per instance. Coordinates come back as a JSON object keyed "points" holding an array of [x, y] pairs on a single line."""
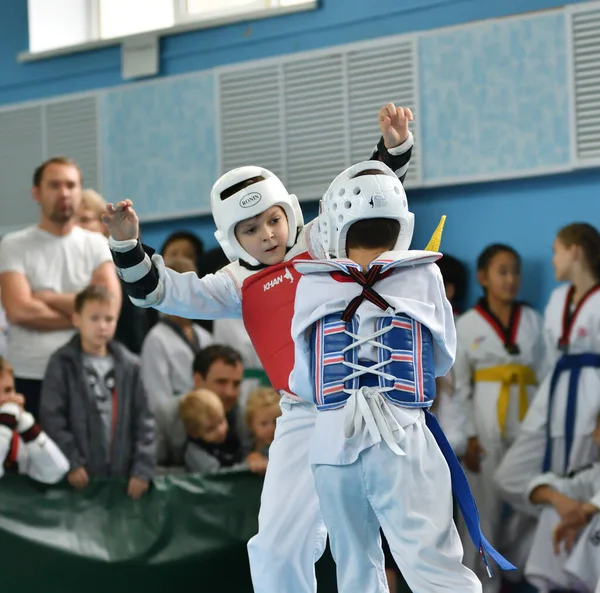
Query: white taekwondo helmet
{"points": [[248, 202], [350, 198]]}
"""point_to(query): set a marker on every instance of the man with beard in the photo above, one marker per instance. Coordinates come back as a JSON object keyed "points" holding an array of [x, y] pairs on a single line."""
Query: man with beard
{"points": [[42, 268]]}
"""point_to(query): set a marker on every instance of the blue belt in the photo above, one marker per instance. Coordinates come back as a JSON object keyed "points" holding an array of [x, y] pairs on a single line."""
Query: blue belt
{"points": [[464, 497], [573, 363], [460, 485]]}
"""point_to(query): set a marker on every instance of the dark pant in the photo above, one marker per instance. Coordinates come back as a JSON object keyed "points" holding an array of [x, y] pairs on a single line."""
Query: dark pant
{"points": [[31, 390]]}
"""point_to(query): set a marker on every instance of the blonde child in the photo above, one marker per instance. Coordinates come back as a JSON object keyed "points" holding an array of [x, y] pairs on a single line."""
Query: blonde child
{"points": [[207, 450], [262, 411]]}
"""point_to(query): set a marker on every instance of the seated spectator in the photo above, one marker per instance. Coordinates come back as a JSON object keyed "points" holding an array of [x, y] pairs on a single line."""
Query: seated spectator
{"points": [[262, 411], [24, 447], [169, 349], [565, 554], [133, 323], [220, 370], [93, 403], [208, 447]]}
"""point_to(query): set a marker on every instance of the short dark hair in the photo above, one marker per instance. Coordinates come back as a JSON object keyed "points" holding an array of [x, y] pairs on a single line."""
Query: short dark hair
{"points": [[491, 251], [373, 233], [454, 272], [192, 238], [230, 191], [209, 355], [38, 174], [92, 293]]}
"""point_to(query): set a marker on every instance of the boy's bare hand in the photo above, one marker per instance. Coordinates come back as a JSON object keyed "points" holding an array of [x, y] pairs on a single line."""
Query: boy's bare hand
{"points": [[78, 478], [121, 221], [257, 463], [137, 488], [393, 122], [473, 455]]}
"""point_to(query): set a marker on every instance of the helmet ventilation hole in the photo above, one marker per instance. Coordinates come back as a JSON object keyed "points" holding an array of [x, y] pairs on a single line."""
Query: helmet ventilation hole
{"points": [[356, 191], [342, 191], [347, 204], [396, 189]]}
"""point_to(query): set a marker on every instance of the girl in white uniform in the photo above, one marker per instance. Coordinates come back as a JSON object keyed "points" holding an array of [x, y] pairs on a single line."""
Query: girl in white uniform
{"points": [[566, 548], [499, 358], [557, 432]]}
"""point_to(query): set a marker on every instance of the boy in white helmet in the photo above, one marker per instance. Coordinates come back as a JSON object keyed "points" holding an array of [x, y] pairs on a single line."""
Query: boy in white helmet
{"points": [[373, 329], [260, 228]]}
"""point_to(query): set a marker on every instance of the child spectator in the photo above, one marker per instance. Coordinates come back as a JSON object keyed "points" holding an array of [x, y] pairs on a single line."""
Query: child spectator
{"points": [[208, 450], [169, 349], [446, 406], [24, 448], [262, 411], [93, 403]]}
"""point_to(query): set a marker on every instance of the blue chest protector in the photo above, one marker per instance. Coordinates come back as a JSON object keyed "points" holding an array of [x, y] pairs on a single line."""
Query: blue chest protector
{"points": [[404, 375], [404, 371]]}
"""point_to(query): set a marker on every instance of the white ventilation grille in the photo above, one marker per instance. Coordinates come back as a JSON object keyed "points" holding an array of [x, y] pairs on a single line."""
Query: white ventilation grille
{"points": [[375, 77], [250, 119], [21, 134], [585, 32], [316, 123], [309, 118], [71, 131]]}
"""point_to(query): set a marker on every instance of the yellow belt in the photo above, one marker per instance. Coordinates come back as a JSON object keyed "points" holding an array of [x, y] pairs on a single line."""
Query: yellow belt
{"points": [[507, 375]]}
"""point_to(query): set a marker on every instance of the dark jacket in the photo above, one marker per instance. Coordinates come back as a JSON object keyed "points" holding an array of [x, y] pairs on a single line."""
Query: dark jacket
{"points": [[69, 416]]}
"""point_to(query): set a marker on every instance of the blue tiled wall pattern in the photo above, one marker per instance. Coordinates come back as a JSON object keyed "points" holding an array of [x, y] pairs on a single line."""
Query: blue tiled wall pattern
{"points": [[158, 145], [493, 102], [494, 98]]}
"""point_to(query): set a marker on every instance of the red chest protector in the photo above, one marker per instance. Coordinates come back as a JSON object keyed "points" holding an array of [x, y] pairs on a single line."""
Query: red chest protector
{"points": [[267, 309]]}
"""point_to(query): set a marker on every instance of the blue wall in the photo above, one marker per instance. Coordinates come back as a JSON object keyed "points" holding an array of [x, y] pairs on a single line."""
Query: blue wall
{"points": [[525, 213]]}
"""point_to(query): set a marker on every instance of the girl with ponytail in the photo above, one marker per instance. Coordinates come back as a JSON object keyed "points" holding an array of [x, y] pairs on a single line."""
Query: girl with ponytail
{"points": [[556, 438]]}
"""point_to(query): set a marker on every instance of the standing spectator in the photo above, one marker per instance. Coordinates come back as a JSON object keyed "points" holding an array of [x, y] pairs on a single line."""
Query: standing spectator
{"points": [[94, 405], [42, 267]]}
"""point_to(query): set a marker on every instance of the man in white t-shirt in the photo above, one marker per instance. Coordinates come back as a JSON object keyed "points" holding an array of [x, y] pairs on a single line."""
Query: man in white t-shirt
{"points": [[42, 268]]}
